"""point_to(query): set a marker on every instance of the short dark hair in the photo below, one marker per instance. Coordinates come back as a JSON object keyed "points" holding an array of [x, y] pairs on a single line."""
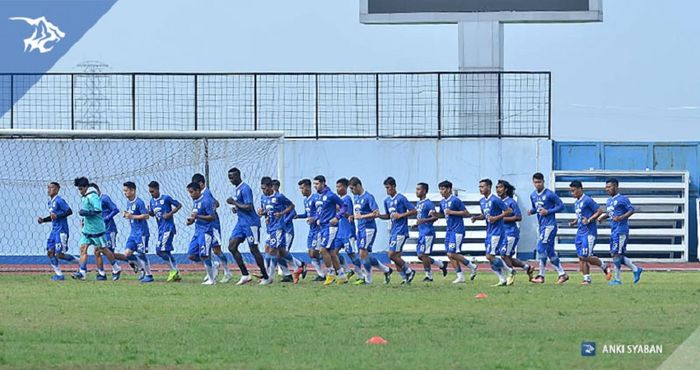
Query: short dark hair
{"points": [[276, 182], [130, 185], [390, 181], [487, 182], [266, 181], [199, 178], [93, 185], [54, 183], [510, 189], [576, 184], [445, 184], [305, 182], [81, 182], [424, 186], [154, 184], [234, 170], [354, 181], [538, 176], [194, 186], [320, 178], [612, 181], [343, 181]]}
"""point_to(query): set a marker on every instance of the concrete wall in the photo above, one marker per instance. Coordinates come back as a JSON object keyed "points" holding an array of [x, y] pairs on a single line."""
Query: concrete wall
{"points": [[462, 161]]}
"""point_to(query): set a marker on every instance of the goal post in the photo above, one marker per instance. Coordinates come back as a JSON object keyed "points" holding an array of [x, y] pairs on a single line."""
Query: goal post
{"points": [[32, 159]]}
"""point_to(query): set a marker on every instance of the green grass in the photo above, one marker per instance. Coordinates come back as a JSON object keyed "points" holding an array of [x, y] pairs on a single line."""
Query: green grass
{"points": [[103, 324]]}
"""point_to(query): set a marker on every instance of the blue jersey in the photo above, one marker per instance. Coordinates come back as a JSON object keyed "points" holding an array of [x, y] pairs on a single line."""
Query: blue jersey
{"points": [[549, 201], [244, 195], [216, 224], [59, 206], [618, 206], [365, 204], [138, 227], [310, 210], [289, 222], [454, 223], [109, 210], [586, 207], [272, 204], [493, 206], [398, 204], [346, 229], [203, 206], [424, 207], [326, 206], [511, 228], [161, 206]]}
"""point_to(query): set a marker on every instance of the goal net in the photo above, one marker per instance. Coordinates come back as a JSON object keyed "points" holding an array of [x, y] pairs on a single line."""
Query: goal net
{"points": [[30, 160]]}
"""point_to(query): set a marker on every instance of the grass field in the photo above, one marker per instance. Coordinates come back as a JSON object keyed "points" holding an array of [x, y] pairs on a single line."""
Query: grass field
{"points": [[116, 325]]}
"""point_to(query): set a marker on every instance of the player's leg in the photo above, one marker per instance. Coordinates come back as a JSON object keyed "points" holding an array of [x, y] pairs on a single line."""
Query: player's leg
{"points": [[512, 252], [582, 254], [353, 254], [142, 256], [204, 242], [364, 250], [108, 253], [550, 234], [81, 274], [164, 251], [386, 270], [490, 252], [253, 247], [53, 260], [62, 252], [636, 270], [223, 260]]}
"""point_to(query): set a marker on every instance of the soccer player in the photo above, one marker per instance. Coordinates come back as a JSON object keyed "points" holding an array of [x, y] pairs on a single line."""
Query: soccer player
{"points": [[137, 243], [493, 210], [546, 204], [286, 252], [93, 229], [109, 210], [453, 209], [365, 210], [57, 243], [310, 216], [327, 204], [425, 218], [506, 191], [619, 209], [202, 216], [398, 209], [274, 206], [247, 226], [216, 225], [587, 213], [163, 207], [346, 229]]}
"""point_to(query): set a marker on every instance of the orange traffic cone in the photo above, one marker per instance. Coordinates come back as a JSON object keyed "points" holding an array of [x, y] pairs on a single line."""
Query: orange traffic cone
{"points": [[377, 340], [481, 296]]}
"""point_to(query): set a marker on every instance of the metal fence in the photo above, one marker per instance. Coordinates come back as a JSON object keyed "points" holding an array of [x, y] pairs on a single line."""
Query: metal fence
{"points": [[303, 105]]}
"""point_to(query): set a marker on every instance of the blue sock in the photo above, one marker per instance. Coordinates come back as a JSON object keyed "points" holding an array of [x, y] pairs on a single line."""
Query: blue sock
{"points": [[367, 262], [459, 268], [427, 269], [53, 261], [374, 261], [83, 267], [222, 257], [555, 261], [493, 266]]}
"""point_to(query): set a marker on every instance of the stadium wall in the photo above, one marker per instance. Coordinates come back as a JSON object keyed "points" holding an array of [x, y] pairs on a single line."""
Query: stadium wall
{"points": [[682, 156], [462, 161]]}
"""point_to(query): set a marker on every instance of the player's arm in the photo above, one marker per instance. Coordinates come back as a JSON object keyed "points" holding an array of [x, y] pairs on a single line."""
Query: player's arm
{"points": [[340, 207], [113, 210], [64, 211], [432, 217], [478, 217], [515, 216], [558, 206], [626, 215], [533, 209], [505, 211], [603, 215], [96, 204], [410, 209], [176, 206], [373, 214]]}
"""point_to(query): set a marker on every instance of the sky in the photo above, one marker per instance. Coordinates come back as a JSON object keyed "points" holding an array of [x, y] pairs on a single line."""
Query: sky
{"points": [[633, 77]]}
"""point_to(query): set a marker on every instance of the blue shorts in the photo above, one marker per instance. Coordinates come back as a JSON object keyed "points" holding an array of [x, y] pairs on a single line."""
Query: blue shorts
{"points": [[200, 245], [453, 242], [345, 242], [545, 242], [111, 238], [326, 236], [425, 244], [495, 244], [216, 235], [312, 239], [251, 234], [511, 248], [396, 242], [618, 242], [57, 242], [584, 245], [365, 238], [137, 243], [165, 241], [275, 239], [288, 241]]}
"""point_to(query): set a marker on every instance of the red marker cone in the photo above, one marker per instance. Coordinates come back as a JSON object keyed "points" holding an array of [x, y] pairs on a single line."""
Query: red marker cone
{"points": [[481, 296], [377, 340]]}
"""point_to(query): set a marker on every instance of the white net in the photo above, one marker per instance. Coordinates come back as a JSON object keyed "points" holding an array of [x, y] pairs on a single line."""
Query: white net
{"points": [[28, 165]]}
